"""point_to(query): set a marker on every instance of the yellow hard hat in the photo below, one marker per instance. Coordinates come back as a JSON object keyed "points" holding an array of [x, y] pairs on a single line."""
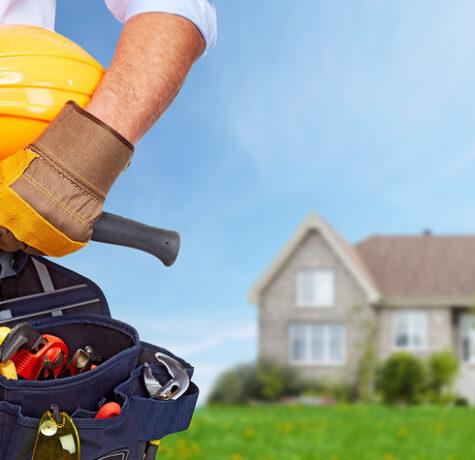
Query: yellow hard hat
{"points": [[40, 71]]}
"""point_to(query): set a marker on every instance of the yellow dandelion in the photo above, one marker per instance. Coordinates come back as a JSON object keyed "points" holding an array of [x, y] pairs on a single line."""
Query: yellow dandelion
{"points": [[286, 427], [389, 457], [249, 433], [402, 432]]}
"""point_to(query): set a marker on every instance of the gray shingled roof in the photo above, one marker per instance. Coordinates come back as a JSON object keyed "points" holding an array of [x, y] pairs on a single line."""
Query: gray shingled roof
{"points": [[424, 265]]}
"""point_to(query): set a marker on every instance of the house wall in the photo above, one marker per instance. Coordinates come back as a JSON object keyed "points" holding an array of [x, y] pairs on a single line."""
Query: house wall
{"points": [[440, 329], [278, 309]]}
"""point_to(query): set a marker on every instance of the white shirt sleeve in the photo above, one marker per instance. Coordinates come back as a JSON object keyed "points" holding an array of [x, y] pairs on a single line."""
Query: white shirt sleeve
{"points": [[201, 12]]}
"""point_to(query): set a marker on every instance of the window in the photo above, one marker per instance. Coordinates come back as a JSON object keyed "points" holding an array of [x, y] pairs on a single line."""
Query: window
{"points": [[317, 343], [315, 288], [467, 338], [410, 330]]}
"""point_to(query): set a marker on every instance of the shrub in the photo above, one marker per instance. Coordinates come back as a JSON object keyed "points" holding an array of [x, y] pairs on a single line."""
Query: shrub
{"points": [[275, 381], [460, 401], [402, 378], [235, 386], [264, 381], [442, 370], [335, 391]]}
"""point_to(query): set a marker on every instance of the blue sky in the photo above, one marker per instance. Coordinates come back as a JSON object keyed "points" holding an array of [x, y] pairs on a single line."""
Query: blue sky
{"points": [[361, 111]]}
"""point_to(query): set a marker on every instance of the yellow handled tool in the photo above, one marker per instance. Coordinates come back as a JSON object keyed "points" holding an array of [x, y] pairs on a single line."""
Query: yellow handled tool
{"points": [[8, 370]]}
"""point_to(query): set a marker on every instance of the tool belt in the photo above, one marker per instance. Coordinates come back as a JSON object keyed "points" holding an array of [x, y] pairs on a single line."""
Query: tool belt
{"points": [[57, 301]]}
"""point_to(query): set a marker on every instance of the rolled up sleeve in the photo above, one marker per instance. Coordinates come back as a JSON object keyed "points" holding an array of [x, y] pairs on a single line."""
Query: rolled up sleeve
{"points": [[201, 12]]}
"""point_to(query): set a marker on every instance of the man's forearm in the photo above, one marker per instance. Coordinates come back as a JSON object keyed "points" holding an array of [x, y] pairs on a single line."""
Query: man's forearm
{"points": [[153, 57]]}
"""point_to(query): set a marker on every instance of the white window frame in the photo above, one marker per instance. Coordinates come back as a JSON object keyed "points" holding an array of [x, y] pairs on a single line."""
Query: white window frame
{"points": [[308, 361], [412, 317], [467, 338], [315, 271]]}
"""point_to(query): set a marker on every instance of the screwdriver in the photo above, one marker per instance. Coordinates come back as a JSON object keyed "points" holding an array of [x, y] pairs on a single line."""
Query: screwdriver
{"points": [[8, 370], [152, 449]]}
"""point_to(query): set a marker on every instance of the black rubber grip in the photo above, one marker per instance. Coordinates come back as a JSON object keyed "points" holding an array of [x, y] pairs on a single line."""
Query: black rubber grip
{"points": [[113, 229]]}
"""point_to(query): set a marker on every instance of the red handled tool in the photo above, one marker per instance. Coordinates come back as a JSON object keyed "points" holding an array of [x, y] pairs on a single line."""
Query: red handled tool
{"points": [[109, 410], [34, 355], [46, 361]]}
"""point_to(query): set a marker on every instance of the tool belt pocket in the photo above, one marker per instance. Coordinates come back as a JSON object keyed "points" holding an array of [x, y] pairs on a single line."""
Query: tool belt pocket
{"points": [[155, 418], [60, 303], [115, 342], [120, 378]]}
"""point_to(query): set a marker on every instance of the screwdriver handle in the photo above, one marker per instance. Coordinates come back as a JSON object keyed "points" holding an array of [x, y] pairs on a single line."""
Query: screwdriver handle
{"points": [[117, 230]]}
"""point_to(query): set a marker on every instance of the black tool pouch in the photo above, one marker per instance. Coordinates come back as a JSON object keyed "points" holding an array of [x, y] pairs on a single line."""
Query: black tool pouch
{"points": [[60, 302]]}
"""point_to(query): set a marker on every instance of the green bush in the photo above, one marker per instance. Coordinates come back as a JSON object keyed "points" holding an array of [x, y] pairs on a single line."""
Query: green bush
{"points": [[236, 386], [460, 401], [275, 381], [442, 369], [402, 379], [264, 381], [337, 391]]}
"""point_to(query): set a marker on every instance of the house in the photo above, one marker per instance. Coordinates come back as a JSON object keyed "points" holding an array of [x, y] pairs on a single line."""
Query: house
{"points": [[323, 301]]}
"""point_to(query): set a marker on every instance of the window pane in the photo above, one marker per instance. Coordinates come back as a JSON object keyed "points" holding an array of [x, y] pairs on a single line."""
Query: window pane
{"points": [[401, 330], [306, 288], [418, 329], [466, 349], [410, 329], [317, 343], [298, 346], [402, 340], [417, 341], [316, 287], [324, 281], [335, 348]]}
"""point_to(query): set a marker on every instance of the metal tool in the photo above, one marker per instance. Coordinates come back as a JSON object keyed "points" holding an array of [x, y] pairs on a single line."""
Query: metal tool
{"points": [[34, 354], [175, 387], [80, 362], [172, 389], [22, 334], [95, 358]]}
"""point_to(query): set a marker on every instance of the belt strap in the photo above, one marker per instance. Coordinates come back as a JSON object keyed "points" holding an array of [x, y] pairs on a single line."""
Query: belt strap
{"points": [[8, 277]]}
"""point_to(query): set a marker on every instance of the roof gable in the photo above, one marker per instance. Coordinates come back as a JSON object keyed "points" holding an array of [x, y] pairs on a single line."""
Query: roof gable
{"points": [[345, 252]]}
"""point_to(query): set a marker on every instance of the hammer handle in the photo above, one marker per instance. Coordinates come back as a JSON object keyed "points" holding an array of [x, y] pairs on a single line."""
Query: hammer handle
{"points": [[117, 230]]}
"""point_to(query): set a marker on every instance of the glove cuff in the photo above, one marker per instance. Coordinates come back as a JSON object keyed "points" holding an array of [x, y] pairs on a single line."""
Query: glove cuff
{"points": [[77, 159], [84, 149]]}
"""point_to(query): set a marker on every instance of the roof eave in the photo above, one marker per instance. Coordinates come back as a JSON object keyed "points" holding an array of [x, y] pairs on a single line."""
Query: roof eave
{"points": [[427, 301]]}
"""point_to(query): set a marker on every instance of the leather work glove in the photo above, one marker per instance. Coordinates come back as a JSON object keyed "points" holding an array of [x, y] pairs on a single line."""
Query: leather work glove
{"points": [[52, 191]]}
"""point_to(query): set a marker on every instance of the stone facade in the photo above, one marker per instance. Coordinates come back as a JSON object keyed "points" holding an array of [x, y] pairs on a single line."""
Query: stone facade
{"points": [[278, 309], [441, 333]]}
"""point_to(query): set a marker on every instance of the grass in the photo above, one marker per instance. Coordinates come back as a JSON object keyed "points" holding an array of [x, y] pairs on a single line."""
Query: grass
{"points": [[359, 432]]}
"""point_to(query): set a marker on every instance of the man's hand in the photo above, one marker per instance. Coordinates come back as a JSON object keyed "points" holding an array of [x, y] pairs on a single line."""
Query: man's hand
{"points": [[52, 191]]}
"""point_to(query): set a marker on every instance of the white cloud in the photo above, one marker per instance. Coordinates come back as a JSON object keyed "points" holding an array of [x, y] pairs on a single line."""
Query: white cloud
{"points": [[217, 339]]}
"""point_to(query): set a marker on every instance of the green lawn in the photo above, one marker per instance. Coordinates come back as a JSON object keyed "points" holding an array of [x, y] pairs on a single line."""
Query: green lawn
{"points": [[330, 433]]}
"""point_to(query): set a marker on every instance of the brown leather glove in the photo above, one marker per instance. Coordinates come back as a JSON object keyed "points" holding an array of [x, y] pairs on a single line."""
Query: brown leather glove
{"points": [[52, 191]]}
